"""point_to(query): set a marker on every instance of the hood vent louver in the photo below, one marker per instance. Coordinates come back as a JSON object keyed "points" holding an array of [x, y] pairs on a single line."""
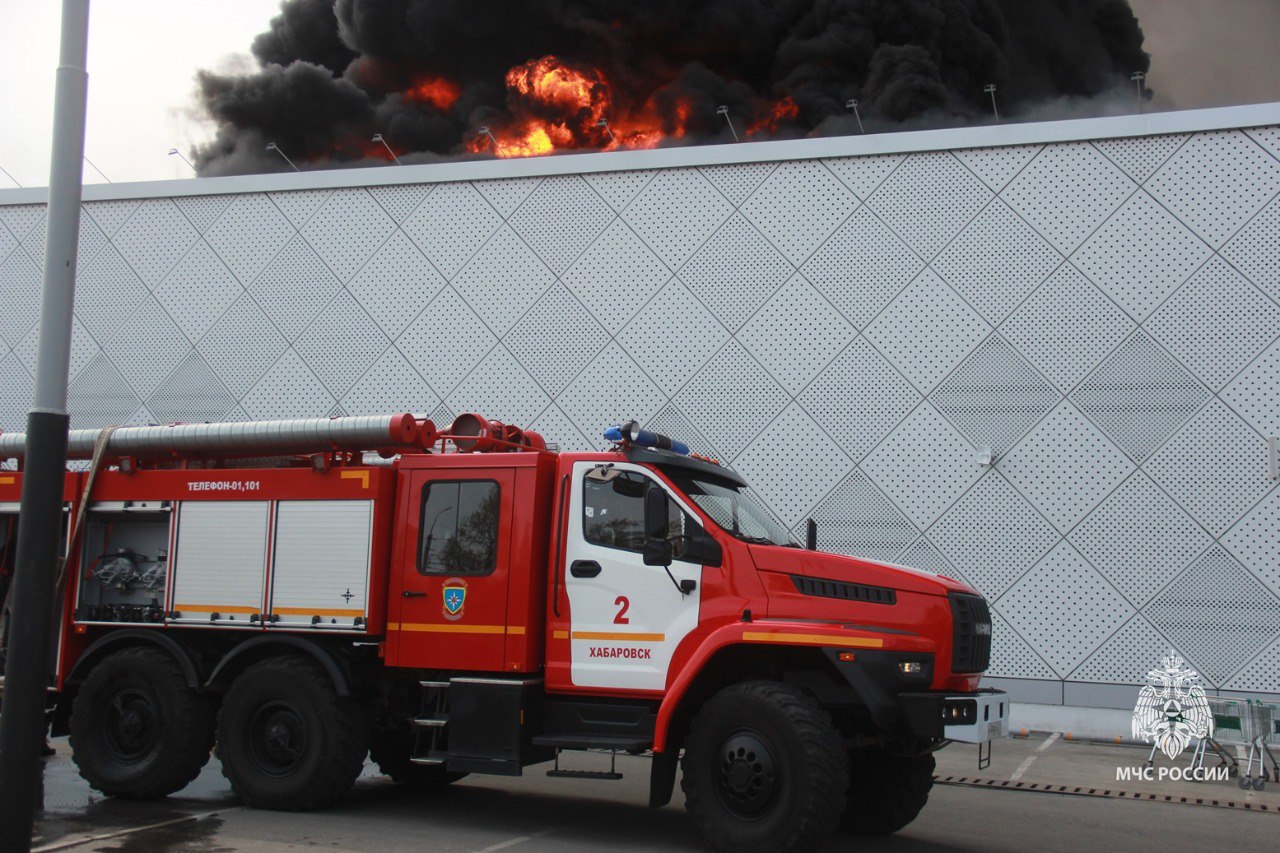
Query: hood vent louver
{"points": [[846, 591]]}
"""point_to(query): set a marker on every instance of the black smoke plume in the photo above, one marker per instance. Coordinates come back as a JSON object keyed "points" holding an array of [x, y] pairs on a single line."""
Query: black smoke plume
{"points": [[427, 74]]}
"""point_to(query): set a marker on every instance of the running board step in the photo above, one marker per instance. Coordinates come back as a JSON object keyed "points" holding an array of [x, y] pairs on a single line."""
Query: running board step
{"points": [[431, 722], [601, 775], [429, 762], [443, 685], [622, 743]]}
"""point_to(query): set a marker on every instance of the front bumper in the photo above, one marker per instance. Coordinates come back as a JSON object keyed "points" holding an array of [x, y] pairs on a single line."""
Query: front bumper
{"points": [[977, 717]]}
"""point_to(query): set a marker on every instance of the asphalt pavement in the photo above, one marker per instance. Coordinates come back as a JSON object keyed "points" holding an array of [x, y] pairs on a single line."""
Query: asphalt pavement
{"points": [[1064, 797]]}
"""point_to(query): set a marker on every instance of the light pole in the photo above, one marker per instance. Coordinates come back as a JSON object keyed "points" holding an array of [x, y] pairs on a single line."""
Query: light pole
{"points": [[271, 146], [10, 177], [377, 137], [991, 90], [43, 476], [852, 104], [1138, 77], [96, 169], [173, 151], [484, 131], [604, 122], [724, 111]]}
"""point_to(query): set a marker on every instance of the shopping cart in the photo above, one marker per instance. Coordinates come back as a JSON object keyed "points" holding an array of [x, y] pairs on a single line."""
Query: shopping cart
{"points": [[1232, 726], [1265, 718]]}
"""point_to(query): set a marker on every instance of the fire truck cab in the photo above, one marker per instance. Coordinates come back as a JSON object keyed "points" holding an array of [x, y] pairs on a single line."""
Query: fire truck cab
{"points": [[477, 603]]}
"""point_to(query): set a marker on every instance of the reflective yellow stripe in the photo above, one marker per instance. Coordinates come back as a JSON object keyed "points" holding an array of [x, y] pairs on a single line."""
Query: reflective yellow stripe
{"points": [[560, 635], [8, 481], [814, 639], [362, 476], [432, 628], [609, 635], [311, 611], [214, 608], [515, 629]]}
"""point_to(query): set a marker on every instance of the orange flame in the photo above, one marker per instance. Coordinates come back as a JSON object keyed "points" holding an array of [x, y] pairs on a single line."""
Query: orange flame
{"points": [[436, 91], [783, 111]]}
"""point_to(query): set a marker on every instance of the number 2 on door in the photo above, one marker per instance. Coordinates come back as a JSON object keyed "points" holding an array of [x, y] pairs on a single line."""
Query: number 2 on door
{"points": [[622, 603]]}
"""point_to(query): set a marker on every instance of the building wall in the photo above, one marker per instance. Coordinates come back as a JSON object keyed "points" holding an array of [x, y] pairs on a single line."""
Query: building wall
{"points": [[854, 332]]}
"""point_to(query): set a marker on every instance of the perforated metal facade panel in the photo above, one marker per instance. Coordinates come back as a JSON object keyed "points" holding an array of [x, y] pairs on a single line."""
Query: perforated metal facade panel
{"points": [[849, 331]]}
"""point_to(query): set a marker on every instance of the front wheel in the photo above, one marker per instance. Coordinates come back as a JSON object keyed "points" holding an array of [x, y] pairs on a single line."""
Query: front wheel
{"points": [[763, 769], [886, 792], [138, 731], [287, 740]]}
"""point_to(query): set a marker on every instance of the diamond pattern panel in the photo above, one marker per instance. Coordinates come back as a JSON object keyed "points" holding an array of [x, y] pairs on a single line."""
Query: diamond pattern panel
{"points": [[735, 272], [798, 207], [1217, 323], [618, 336], [556, 339], [1253, 393], [1216, 183], [1065, 466], [928, 199], [154, 238], [1066, 327], [1139, 538], [738, 181], [732, 398], [675, 214], [992, 534], [994, 397], [560, 219], [347, 229], [1214, 610], [1215, 467], [924, 465], [927, 330], [611, 390], [1140, 256], [1064, 629], [791, 464], [1254, 542], [617, 275], [997, 261], [1066, 192], [669, 359], [191, 394], [1139, 396], [856, 518], [450, 225], [796, 334], [1255, 251], [294, 289], [503, 280], [859, 398]]}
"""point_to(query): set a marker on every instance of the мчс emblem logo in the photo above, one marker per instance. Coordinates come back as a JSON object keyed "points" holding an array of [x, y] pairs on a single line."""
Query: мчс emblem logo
{"points": [[454, 598], [1172, 708]]}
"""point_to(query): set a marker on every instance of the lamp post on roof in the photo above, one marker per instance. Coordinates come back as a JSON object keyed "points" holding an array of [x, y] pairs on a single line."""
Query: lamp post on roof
{"points": [[852, 104], [377, 137], [724, 111], [485, 131], [10, 177], [991, 90], [1139, 78], [173, 151], [271, 146], [96, 169], [604, 122]]}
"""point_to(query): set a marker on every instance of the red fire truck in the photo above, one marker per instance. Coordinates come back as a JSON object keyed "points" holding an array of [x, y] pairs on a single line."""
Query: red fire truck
{"points": [[306, 593]]}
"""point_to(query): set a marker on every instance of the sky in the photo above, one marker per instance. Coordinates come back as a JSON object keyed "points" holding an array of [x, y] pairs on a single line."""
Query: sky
{"points": [[143, 56]]}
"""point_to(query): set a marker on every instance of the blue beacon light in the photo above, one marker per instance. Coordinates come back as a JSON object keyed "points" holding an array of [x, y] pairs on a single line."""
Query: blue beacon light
{"points": [[631, 432]]}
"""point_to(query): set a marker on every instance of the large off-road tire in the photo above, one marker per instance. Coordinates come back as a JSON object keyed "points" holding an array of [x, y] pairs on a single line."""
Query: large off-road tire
{"points": [[392, 750], [138, 731], [764, 769], [886, 792], [287, 740]]}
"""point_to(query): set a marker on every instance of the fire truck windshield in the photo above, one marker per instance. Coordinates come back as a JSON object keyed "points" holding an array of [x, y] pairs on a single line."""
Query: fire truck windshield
{"points": [[735, 512]]}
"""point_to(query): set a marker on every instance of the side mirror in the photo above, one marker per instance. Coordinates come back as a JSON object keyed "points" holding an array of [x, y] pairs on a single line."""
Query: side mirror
{"points": [[657, 552], [655, 516]]}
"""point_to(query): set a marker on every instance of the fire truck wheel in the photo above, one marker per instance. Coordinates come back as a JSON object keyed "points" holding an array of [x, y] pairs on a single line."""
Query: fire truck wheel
{"points": [[392, 751], [886, 792], [287, 740], [764, 769], [137, 730]]}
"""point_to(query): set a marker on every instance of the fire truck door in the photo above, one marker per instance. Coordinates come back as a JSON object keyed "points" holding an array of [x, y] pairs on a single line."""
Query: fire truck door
{"points": [[626, 618], [454, 570]]}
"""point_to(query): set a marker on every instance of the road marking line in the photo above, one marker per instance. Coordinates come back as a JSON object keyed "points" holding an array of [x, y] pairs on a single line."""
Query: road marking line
{"points": [[80, 840], [1024, 766], [503, 845]]}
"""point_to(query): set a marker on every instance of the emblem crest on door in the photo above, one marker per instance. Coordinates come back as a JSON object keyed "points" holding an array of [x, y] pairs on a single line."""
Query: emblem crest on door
{"points": [[454, 597]]}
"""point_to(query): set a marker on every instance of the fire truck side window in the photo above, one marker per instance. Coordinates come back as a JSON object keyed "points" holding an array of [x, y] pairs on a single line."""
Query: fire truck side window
{"points": [[613, 512], [458, 529]]}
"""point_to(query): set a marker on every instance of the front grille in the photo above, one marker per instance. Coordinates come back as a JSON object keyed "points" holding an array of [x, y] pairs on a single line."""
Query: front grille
{"points": [[847, 591], [971, 638]]}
